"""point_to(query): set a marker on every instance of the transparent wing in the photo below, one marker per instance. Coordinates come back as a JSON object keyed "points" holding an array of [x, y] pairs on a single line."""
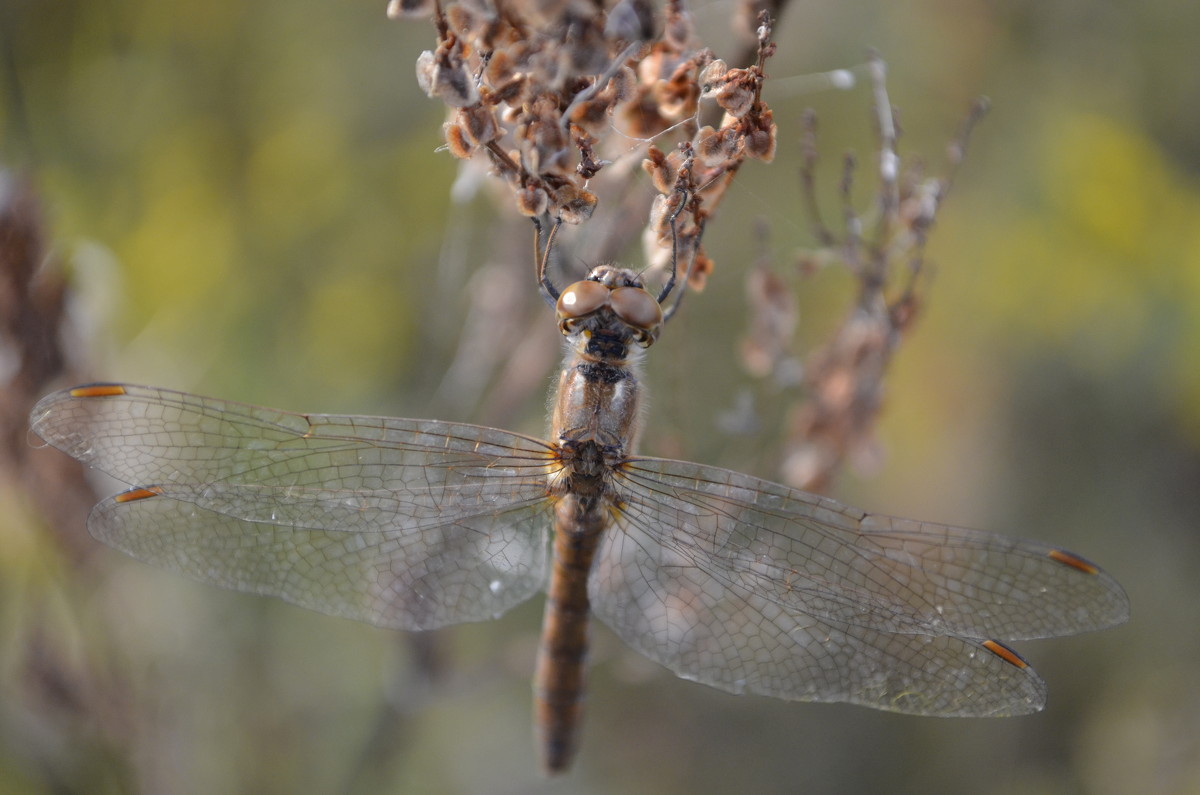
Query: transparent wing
{"points": [[405, 523], [751, 586]]}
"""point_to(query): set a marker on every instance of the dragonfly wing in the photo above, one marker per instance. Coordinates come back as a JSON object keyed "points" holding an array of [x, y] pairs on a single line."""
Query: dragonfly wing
{"points": [[404, 523], [749, 585], [725, 636], [473, 569]]}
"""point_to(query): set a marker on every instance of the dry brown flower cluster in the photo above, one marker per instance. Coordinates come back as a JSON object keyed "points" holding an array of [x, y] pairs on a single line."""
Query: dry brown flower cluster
{"points": [[558, 94], [844, 378]]}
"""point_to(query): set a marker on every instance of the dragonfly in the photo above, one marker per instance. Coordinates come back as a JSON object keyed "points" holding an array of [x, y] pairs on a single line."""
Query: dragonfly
{"points": [[725, 579]]}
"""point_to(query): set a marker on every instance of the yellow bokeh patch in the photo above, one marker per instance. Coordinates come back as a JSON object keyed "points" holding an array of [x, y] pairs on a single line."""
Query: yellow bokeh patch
{"points": [[1101, 260], [352, 325], [298, 176], [180, 252]]}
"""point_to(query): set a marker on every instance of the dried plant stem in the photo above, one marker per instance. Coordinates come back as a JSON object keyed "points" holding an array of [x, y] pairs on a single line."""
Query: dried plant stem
{"points": [[844, 378]]}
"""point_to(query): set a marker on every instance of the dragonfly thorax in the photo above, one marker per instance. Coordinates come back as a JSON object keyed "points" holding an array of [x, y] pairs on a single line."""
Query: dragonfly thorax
{"points": [[607, 320]]}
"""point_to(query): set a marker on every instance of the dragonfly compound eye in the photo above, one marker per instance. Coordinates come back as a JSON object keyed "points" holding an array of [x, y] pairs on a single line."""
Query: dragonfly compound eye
{"points": [[638, 308], [582, 298]]}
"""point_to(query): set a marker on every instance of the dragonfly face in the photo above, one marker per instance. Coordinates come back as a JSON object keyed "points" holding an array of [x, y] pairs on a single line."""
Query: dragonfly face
{"points": [[633, 312], [726, 579]]}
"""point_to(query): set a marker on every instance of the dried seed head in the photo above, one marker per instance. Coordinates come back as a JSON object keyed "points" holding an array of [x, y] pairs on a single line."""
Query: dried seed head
{"points": [[543, 145], [456, 141], [664, 207], [509, 93], [592, 116], [544, 13], [412, 9], [452, 83], [532, 201], [623, 84], [760, 144], [575, 205], [587, 53], [479, 124], [760, 139], [536, 84], [662, 63], [661, 170], [462, 21], [732, 89], [511, 115], [713, 76], [735, 97], [656, 256], [677, 96], [677, 32], [658, 212], [588, 166], [501, 67], [425, 69], [640, 116], [702, 266], [680, 162], [631, 20], [716, 148], [656, 155], [505, 165]]}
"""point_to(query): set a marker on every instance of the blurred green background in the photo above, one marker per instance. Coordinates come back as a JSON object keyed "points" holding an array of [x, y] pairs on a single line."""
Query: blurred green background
{"points": [[249, 200]]}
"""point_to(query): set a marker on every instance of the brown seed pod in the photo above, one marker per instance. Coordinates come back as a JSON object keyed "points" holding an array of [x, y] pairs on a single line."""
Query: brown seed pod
{"points": [[457, 141], [410, 9], [760, 139], [452, 83], [575, 205], [661, 170], [532, 201], [479, 124]]}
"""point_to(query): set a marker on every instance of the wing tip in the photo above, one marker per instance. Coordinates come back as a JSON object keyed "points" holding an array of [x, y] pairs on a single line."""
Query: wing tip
{"points": [[97, 390], [138, 493], [1005, 653], [1074, 561]]}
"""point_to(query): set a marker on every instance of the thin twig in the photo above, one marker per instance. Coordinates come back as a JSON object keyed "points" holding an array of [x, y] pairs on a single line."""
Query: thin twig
{"points": [[808, 179], [889, 161], [853, 225]]}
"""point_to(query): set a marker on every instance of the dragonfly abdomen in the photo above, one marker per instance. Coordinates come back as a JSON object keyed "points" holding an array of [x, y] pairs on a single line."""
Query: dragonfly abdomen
{"points": [[558, 685]]}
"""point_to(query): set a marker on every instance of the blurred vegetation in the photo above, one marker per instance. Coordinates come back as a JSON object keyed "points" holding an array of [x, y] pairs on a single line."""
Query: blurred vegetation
{"points": [[248, 201]]}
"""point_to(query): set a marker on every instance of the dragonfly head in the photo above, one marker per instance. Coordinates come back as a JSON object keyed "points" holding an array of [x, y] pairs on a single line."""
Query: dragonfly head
{"points": [[610, 296]]}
